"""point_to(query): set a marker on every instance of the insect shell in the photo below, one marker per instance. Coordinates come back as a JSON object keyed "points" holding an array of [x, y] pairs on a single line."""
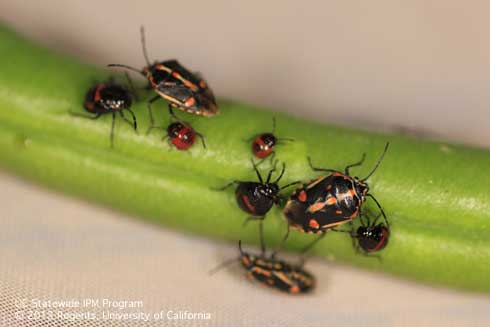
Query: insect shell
{"points": [[257, 198], [107, 97], [263, 144], [328, 201], [183, 89], [277, 274], [371, 236], [182, 136], [173, 82]]}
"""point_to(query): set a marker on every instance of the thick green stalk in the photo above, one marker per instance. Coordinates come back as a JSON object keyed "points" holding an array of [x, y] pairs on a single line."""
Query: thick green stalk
{"points": [[436, 195]]}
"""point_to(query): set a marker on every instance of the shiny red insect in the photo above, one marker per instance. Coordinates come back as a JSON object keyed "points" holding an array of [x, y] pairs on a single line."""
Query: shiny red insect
{"points": [[182, 136], [263, 143]]}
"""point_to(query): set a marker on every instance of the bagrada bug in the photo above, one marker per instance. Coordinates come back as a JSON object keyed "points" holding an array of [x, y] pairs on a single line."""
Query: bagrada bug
{"points": [[263, 144], [257, 198], [173, 82], [329, 201], [274, 273], [182, 136], [108, 98]]}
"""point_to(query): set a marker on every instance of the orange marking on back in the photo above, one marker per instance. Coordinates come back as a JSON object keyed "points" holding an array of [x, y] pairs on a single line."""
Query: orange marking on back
{"points": [[190, 85], [294, 289], [314, 224], [248, 204], [162, 67], [337, 173], [314, 183], [302, 196], [329, 187], [97, 95], [202, 84], [261, 271], [331, 201], [190, 102], [339, 212], [316, 206]]}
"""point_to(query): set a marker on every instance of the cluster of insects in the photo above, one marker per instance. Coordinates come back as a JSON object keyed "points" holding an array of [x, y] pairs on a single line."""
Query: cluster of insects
{"points": [[323, 204], [318, 206], [182, 89]]}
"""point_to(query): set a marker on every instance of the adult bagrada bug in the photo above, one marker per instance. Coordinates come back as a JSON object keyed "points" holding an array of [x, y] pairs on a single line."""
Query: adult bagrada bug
{"points": [[257, 198], [329, 201], [274, 273], [173, 82], [108, 98], [263, 144], [182, 136]]}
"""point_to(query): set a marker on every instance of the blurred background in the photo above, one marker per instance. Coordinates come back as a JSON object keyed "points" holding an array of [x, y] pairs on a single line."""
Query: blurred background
{"points": [[419, 67]]}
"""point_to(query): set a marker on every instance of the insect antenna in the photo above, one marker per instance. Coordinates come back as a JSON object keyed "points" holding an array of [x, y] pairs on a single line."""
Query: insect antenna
{"points": [[282, 173], [222, 265], [380, 208], [379, 161], [228, 262], [143, 45], [127, 67]]}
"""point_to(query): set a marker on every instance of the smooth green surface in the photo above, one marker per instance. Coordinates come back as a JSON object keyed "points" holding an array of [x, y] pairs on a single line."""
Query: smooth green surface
{"points": [[436, 195]]}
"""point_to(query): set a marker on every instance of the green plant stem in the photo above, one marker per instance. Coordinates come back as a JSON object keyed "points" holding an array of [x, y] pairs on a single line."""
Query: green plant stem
{"points": [[436, 195]]}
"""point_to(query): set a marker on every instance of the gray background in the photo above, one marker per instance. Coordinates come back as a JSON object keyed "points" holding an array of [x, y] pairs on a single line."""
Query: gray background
{"points": [[416, 66]]}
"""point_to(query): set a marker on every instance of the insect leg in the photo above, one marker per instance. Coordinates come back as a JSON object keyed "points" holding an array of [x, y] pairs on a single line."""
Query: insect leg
{"points": [[150, 112], [251, 218], [112, 129], [77, 114], [318, 169], [261, 235], [309, 246], [131, 123], [202, 139], [280, 245], [226, 186]]}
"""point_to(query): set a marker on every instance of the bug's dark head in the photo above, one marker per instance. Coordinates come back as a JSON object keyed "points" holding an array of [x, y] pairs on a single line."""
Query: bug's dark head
{"points": [[373, 238], [361, 188], [115, 97], [247, 260], [268, 139], [270, 190], [174, 129], [207, 103]]}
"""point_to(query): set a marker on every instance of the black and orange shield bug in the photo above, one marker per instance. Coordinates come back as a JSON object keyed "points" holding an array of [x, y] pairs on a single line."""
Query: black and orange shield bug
{"points": [[273, 273], [329, 201], [183, 89]]}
